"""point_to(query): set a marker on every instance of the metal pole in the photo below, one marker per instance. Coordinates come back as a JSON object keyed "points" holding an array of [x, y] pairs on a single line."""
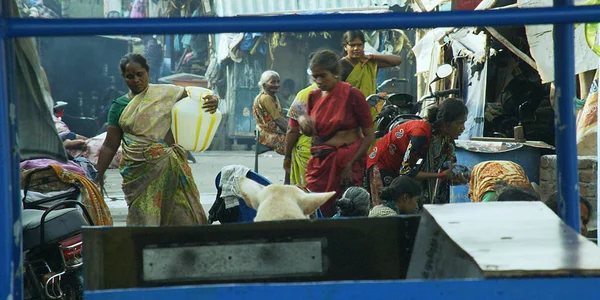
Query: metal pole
{"points": [[566, 148], [11, 272], [502, 17], [597, 171]]}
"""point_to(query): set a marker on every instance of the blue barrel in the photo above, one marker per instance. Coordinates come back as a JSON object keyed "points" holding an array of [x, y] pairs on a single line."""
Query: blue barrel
{"points": [[527, 157]]}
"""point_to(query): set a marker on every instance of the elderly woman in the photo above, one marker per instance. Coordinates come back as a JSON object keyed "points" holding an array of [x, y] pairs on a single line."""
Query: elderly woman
{"points": [[355, 202], [268, 113]]}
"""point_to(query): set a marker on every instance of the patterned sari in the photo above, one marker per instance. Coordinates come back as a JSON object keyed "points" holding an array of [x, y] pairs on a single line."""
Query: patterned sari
{"points": [[441, 149], [301, 151], [485, 174], [266, 109], [157, 181]]}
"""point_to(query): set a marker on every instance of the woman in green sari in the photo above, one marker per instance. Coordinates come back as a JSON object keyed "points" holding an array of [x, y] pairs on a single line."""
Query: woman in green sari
{"points": [[157, 181], [359, 69], [297, 145]]}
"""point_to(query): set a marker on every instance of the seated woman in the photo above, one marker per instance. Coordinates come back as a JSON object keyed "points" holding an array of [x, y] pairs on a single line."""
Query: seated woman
{"points": [[585, 210], [401, 197], [419, 149], [268, 113], [486, 174], [354, 202]]}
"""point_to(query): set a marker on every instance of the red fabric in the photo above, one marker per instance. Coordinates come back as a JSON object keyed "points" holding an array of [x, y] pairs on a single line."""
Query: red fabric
{"points": [[329, 112], [343, 108], [293, 123], [323, 174], [388, 153]]}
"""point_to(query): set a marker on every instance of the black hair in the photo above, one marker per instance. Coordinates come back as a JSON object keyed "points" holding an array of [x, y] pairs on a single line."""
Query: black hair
{"points": [[552, 203], [518, 193], [508, 192], [448, 111], [133, 57], [354, 202], [351, 35], [327, 60], [401, 185]]}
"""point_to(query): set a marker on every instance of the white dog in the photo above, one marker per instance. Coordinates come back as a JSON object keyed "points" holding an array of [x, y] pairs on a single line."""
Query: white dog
{"points": [[280, 202]]}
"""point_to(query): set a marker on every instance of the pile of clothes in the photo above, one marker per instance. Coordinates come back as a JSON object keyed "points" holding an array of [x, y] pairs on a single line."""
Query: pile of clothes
{"points": [[37, 9]]}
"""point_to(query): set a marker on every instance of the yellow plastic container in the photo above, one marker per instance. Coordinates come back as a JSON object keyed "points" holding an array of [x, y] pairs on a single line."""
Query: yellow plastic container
{"points": [[192, 127]]}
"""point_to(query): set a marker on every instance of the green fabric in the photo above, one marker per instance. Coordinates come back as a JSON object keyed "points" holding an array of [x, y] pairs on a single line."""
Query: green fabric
{"points": [[488, 197], [579, 103], [116, 109], [363, 78], [300, 156], [591, 30]]}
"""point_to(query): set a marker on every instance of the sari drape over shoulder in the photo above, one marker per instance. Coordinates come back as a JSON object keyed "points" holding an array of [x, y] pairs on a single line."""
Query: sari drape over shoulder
{"points": [[343, 108], [157, 181], [363, 77]]}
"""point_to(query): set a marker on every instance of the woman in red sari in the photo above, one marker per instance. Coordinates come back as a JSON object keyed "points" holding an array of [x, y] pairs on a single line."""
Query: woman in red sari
{"points": [[339, 121]]}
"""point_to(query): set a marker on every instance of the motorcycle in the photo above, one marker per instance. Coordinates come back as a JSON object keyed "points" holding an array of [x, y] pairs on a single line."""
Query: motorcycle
{"points": [[400, 108], [52, 243]]}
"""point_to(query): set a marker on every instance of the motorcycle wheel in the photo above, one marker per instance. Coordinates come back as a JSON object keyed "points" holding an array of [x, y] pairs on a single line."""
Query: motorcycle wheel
{"points": [[72, 285]]}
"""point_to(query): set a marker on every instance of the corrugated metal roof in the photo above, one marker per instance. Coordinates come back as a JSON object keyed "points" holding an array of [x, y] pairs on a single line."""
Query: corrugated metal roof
{"points": [[227, 8]]}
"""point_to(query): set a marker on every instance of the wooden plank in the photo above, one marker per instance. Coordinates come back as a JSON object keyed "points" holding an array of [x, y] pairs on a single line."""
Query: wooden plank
{"points": [[94, 267], [512, 47], [353, 249], [516, 239]]}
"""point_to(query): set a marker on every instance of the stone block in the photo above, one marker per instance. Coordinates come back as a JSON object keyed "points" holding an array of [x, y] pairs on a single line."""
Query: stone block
{"points": [[587, 162], [548, 161], [548, 174], [587, 189], [587, 176]]}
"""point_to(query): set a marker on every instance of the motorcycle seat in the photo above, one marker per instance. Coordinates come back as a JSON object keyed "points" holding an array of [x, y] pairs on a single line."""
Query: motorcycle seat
{"points": [[40, 200], [58, 224]]}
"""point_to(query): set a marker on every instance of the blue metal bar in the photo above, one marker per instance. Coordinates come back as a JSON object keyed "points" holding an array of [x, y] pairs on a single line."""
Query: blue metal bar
{"points": [[11, 274], [63, 27], [491, 289], [10, 234], [566, 146]]}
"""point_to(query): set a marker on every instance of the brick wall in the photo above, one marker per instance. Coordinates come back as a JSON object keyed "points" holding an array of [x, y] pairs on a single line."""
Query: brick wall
{"points": [[587, 179]]}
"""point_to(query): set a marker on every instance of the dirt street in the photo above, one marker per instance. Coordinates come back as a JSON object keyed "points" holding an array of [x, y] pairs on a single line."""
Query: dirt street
{"points": [[205, 170]]}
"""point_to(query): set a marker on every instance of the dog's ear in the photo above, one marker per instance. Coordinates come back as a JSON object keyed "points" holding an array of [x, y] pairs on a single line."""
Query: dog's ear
{"points": [[310, 202], [250, 191]]}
